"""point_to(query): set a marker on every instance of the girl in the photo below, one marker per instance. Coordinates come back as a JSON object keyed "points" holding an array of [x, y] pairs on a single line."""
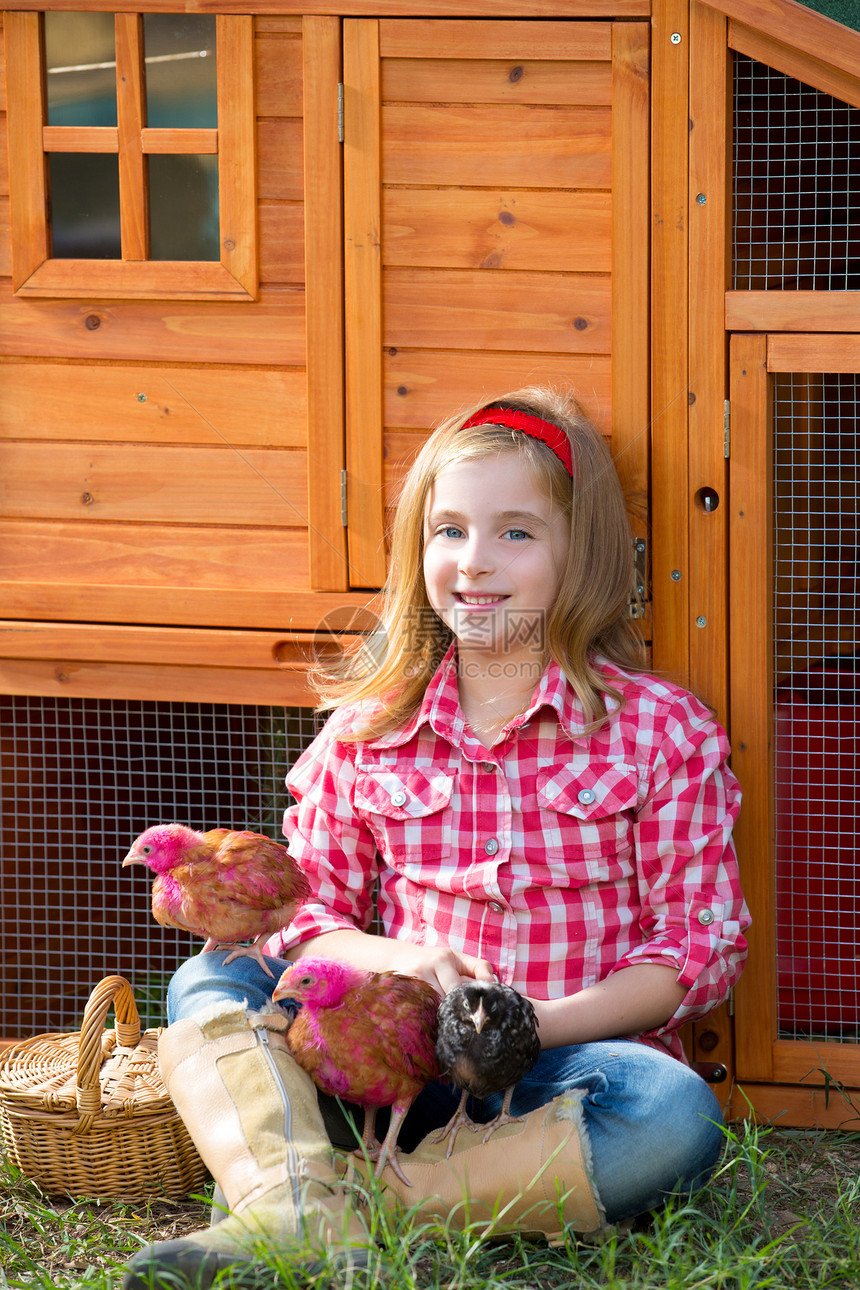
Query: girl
{"points": [[525, 803]]}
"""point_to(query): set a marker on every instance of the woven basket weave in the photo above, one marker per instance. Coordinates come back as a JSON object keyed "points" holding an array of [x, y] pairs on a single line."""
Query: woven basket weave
{"points": [[87, 1114]]}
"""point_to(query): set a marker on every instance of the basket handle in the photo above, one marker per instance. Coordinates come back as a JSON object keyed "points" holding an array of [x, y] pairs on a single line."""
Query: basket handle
{"points": [[112, 990]]}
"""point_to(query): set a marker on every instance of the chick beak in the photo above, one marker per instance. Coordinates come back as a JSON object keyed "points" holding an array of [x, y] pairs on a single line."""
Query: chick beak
{"points": [[479, 1016], [132, 858]]}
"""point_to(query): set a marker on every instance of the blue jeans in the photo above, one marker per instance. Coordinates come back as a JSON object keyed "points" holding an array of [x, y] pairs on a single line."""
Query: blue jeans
{"points": [[654, 1125]]}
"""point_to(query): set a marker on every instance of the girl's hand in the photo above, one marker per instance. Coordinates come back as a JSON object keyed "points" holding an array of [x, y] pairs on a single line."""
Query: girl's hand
{"points": [[440, 966]]}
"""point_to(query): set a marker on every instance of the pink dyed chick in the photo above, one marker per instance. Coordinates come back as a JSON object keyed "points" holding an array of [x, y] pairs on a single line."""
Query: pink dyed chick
{"points": [[367, 1037], [225, 885]]}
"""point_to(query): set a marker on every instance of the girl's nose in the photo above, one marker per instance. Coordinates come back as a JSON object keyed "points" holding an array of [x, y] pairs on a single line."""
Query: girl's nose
{"points": [[475, 559]]}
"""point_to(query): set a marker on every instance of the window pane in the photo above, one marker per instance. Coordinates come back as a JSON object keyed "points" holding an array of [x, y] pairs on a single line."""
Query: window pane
{"points": [[183, 207], [80, 59], [180, 70], [85, 205]]}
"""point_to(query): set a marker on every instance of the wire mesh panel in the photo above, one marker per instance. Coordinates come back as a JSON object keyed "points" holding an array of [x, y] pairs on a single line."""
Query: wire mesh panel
{"points": [[79, 779], [796, 184], [817, 713]]}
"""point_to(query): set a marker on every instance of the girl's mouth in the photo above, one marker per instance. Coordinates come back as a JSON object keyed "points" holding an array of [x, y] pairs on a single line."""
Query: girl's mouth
{"points": [[478, 602]]}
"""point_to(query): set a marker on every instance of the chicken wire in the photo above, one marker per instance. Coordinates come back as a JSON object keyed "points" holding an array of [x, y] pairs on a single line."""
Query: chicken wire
{"points": [[817, 712], [796, 184], [79, 779]]}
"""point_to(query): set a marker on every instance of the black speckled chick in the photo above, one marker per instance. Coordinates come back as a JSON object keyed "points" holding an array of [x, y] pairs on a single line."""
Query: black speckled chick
{"points": [[487, 1042]]}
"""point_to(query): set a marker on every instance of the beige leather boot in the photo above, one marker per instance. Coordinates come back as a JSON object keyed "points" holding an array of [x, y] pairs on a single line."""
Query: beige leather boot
{"points": [[253, 1115], [532, 1176]]}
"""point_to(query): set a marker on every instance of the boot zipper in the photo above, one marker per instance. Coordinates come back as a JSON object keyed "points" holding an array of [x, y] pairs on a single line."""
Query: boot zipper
{"points": [[292, 1155]]}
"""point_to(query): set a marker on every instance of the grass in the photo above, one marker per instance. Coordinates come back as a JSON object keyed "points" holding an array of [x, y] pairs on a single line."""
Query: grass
{"points": [[782, 1211]]}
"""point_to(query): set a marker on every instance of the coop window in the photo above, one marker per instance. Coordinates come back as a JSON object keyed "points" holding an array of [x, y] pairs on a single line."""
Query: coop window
{"points": [[79, 779], [796, 184], [817, 703], [132, 152]]}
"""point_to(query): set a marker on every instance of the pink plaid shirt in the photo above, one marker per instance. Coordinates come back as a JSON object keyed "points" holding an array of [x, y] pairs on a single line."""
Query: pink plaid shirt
{"points": [[558, 856]]}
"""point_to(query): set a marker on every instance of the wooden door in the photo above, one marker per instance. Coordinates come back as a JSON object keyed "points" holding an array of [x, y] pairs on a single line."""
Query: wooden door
{"points": [[795, 642], [496, 235]]}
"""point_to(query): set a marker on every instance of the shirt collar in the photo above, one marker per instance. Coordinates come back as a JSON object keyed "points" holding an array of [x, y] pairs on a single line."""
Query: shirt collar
{"points": [[440, 707]]}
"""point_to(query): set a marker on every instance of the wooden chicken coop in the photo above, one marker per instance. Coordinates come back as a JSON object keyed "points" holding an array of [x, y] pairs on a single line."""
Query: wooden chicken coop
{"points": [[251, 252]]}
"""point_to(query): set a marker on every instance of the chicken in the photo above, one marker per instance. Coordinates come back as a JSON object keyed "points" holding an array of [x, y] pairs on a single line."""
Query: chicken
{"points": [[487, 1042], [366, 1037], [224, 885]]}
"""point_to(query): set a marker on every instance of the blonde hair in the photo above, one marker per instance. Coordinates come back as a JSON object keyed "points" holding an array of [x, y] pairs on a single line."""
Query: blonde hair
{"points": [[591, 612]]}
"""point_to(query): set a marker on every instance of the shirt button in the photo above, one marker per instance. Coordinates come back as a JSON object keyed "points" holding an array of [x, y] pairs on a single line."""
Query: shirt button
{"points": [[586, 796], [495, 907], [398, 798], [491, 846], [705, 917], [489, 767]]}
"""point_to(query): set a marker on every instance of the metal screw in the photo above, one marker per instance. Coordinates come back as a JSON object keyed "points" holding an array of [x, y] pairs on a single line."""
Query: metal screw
{"points": [[640, 544], [675, 37], [701, 198], [675, 575], [141, 398], [701, 621]]}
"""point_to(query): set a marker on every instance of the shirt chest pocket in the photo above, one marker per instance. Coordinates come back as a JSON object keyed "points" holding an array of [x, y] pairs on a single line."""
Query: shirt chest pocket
{"points": [[587, 816], [409, 812]]}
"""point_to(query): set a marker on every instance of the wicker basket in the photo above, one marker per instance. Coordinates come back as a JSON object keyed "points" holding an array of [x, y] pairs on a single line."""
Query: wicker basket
{"points": [[87, 1114]]}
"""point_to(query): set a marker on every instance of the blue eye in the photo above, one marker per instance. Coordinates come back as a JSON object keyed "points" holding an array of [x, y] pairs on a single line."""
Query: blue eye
{"points": [[518, 535], [451, 531]]}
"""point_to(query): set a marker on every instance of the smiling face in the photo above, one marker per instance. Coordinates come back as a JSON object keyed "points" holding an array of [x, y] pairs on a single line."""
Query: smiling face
{"points": [[494, 553]]}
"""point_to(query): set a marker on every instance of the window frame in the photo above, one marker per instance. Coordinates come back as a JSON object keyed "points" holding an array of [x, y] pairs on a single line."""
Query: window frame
{"points": [[35, 272]]}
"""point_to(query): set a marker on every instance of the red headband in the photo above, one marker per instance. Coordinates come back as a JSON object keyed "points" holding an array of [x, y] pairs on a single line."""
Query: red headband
{"points": [[554, 438]]}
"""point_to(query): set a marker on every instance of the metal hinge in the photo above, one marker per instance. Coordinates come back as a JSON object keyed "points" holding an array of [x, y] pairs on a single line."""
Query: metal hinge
{"points": [[639, 595], [727, 429], [343, 518], [340, 112]]}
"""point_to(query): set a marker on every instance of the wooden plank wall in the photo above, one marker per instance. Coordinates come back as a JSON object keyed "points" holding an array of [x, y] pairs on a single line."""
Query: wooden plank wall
{"points": [[155, 453]]}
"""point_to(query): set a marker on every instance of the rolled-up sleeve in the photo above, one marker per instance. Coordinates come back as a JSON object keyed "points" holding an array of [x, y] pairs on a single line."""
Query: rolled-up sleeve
{"points": [[693, 915], [332, 845]]}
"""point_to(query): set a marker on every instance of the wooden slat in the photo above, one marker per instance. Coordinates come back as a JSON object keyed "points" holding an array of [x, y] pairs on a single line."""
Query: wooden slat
{"points": [[794, 62], [279, 160], [277, 75], [158, 682], [272, 331], [750, 556], [787, 1107], [497, 80], [363, 319], [792, 311], [282, 241], [669, 258], [2, 67], [5, 239], [4, 159], [101, 482], [202, 142], [129, 561], [131, 117], [133, 280], [430, 38], [479, 228], [26, 159], [153, 404], [709, 238], [453, 309], [800, 27], [395, 8], [816, 353], [502, 144], [185, 647], [237, 140], [423, 387], [272, 23], [799, 1062], [232, 602], [629, 245], [80, 138], [324, 324]]}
